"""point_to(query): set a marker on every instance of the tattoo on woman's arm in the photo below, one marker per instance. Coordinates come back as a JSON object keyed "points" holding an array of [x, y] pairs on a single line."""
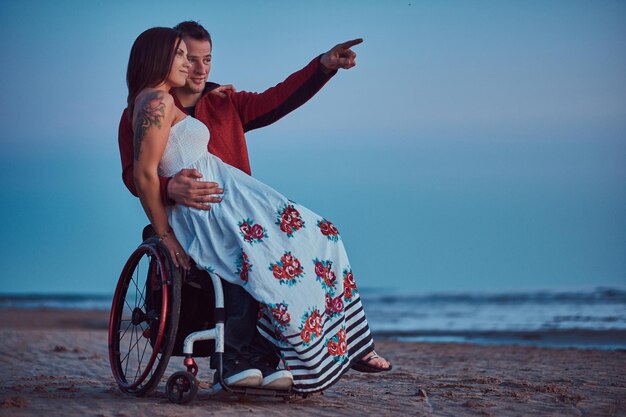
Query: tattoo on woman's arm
{"points": [[150, 112]]}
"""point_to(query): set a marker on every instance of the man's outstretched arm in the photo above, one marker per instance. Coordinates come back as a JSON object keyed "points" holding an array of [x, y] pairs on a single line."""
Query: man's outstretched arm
{"points": [[261, 109]]}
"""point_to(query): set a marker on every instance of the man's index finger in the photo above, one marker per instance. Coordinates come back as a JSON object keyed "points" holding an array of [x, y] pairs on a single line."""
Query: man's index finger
{"points": [[350, 44]]}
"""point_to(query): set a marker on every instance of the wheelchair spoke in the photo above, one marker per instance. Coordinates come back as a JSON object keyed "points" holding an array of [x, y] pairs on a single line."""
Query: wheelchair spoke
{"points": [[141, 290], [131, 348], [123, 332], [135, 349], [140, 360], [128, 353], [131, 345], [126, 299], [130, 308], [137, 291]]}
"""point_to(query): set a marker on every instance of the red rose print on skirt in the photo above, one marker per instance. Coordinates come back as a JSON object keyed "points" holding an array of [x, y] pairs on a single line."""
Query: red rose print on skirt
{"points": [[324, 274], [243, 266], [288, 269], [328, 229], [349, 286], [279, 317], [337, 346], [280, 314], [311, 326], [252, 233], [289, 220], [334, 306]]}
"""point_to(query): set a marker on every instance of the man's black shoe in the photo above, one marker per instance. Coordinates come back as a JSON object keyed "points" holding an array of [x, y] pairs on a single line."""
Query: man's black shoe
{"points": [[273, 378], [239, 372]]}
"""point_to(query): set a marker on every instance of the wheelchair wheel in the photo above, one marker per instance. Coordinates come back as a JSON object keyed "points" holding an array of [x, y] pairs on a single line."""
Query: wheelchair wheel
{"points": [[144, 319], [181, 387]]}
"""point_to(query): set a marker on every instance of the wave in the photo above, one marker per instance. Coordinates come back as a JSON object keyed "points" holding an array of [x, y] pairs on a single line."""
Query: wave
{"points": [[565, 338], [603, 295], [57, 301]]}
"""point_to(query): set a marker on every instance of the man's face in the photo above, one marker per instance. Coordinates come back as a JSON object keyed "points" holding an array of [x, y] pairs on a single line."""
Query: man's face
{"points": [[199, 55]]}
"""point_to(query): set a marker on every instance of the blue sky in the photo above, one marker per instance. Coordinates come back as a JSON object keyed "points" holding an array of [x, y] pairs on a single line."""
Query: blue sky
{"points": [[476, 146]]}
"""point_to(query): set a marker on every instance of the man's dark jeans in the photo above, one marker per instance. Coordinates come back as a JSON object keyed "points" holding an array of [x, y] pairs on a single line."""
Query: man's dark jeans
{"points": [[241, 336]]}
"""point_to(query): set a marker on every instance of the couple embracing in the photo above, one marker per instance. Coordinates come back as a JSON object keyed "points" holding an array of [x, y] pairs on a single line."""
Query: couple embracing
{"points": [[294, 317]]}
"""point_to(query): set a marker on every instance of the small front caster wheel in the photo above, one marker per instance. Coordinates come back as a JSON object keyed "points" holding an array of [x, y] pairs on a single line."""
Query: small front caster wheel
{"points": [[181, 387]]}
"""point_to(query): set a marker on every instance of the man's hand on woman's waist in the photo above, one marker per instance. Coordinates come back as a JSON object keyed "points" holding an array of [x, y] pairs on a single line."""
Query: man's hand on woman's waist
{"points": [[186, 188]]}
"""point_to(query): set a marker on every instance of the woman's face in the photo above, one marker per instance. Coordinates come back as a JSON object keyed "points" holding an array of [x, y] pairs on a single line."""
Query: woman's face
{"points": [[180, 67]]}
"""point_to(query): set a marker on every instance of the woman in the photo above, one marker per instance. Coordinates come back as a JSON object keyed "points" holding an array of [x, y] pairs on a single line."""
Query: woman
{"points": [[288, 258]]}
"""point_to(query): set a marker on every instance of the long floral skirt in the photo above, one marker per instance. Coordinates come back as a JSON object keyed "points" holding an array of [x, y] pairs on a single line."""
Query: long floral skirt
{"points": [[289, 259]]}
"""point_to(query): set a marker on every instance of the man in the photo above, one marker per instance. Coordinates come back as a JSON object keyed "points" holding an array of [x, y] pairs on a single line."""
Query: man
{"points": [[249, 360]]}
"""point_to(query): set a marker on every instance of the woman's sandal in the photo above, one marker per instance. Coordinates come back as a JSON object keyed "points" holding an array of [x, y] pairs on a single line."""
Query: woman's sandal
{"points": [[364, 365]]}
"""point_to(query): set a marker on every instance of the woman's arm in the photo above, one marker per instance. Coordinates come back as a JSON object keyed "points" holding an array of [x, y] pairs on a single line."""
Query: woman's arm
{"points": [[152, 119], [186, 187]]}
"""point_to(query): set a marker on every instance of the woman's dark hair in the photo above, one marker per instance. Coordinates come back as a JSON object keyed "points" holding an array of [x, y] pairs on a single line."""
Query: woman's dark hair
{"points": [[150, 61], [194, 30]]}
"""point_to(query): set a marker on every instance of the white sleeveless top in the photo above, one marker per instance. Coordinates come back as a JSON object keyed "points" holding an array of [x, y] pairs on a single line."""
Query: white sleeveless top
{"points": [[187, 143]]}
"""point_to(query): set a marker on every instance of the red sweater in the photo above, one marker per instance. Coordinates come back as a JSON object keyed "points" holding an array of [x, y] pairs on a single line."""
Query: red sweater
{"points": [[229, 118]]}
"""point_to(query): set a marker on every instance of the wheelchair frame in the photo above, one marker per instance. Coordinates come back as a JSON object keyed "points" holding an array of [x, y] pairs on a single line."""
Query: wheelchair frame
{"points": [[147, 322]]}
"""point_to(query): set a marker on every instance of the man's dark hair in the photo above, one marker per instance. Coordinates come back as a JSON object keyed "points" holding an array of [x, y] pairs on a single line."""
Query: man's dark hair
{"points": [[193, 30]]}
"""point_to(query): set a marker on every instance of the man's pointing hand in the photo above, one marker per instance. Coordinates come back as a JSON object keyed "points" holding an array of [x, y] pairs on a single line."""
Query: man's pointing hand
{"points": [[340, 56]]}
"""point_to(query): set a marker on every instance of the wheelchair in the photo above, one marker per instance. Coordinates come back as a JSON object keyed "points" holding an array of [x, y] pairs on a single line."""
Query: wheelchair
{"points": [[159, 311]]}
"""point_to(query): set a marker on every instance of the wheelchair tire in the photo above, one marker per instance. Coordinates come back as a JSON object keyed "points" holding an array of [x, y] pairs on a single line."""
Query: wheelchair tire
{"points": [[181, 387], [144, 319]]}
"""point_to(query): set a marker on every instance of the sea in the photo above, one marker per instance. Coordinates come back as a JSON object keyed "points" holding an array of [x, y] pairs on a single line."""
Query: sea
{"points": [[594, 318]]}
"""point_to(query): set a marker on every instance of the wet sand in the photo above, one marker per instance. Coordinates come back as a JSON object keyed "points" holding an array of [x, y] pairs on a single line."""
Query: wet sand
{"points": [[55, 363]]}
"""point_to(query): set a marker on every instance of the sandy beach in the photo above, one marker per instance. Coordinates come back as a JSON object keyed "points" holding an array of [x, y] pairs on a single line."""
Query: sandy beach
{"points": [[55, 363]]}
